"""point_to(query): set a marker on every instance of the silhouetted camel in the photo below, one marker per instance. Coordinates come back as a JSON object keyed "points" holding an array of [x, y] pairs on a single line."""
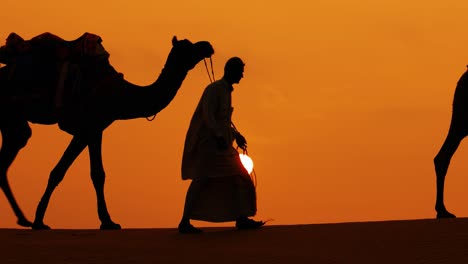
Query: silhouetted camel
{"points": [[112, 98], [457, 131]]}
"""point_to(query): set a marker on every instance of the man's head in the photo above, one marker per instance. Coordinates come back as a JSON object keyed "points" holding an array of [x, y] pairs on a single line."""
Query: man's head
{"points": [[234, 70]]}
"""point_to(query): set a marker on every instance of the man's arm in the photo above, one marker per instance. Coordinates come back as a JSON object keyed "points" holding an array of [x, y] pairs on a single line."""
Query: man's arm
{"points": [[240, 139]]}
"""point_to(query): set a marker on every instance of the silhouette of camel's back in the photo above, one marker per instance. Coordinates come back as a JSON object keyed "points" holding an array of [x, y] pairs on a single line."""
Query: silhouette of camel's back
{"points": [[40, 59], [55, 74], [51, 47]]}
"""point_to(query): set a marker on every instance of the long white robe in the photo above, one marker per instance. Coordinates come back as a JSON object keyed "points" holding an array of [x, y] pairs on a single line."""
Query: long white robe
{"points": [[228, 191]]}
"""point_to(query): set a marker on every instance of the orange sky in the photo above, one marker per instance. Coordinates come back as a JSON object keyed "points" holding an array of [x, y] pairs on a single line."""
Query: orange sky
{"points": [[344, 105]]}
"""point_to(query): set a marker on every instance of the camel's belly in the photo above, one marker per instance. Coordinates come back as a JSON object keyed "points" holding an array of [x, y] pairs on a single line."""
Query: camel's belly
{"points": [[42, 116]]}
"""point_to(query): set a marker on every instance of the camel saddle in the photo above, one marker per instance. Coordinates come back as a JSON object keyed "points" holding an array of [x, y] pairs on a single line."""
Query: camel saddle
{"points": [[52, 46], [67, 71]]}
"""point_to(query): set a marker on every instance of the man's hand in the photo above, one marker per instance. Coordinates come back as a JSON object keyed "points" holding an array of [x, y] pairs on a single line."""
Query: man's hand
{"points": [[241, 142], [222, 143]]}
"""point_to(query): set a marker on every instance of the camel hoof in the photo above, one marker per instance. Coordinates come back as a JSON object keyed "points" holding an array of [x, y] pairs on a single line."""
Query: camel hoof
{"points": [[24, 222], [445, 214], [40, 226], [110, 226]]}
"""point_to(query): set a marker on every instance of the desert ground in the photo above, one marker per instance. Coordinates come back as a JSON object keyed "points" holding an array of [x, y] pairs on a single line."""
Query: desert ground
{"points": [[399, 241]]}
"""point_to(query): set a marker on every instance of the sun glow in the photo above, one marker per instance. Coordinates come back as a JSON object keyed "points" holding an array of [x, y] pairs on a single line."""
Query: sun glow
{"points": [[247, 162]]}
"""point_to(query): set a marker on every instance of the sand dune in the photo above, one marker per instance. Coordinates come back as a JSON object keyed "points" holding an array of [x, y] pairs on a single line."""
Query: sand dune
{"points": [[408, 241]]}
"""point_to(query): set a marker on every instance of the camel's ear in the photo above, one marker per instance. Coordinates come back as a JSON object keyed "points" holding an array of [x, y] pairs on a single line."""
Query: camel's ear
{"points": [[174, 40]]}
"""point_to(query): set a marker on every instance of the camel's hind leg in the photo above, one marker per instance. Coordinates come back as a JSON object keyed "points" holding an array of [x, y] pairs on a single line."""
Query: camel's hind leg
{"points": [[15, 135], [456, 133], [73, 150]]}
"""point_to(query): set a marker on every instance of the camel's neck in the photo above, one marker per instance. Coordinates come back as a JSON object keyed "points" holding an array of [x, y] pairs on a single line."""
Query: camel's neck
{"points": [[137, 101]]}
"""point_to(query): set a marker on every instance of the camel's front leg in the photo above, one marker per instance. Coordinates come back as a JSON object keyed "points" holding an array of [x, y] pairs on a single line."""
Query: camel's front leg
{"points": [[98, 177], [73, 150], [442, 162]]}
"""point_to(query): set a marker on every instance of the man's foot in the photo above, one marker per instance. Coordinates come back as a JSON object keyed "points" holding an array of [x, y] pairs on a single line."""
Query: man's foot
{"points": [[247, 223], [187, 228]]}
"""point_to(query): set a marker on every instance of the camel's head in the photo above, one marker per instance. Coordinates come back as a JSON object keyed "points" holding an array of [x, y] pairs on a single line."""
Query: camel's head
{"points": [[186, 54]]}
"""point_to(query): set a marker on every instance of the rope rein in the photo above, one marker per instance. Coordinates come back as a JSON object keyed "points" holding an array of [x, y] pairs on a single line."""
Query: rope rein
{"points": [[151, 118], [208, 71]]}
